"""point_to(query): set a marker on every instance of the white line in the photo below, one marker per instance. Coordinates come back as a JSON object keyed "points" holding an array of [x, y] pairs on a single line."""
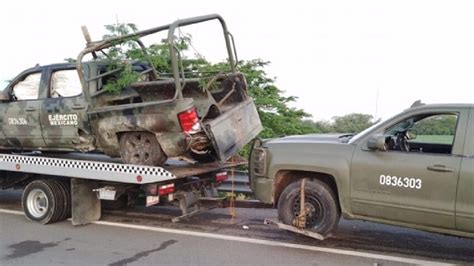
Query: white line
{"points": [[11, 212], [262, 242]]}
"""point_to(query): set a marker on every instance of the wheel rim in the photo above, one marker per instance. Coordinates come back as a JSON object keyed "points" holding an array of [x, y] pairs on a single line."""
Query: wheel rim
{"points": [[315, 211], [139, 147], [37, 203]]}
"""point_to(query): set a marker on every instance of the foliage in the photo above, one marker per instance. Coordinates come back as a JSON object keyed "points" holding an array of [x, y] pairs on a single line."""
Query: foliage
{"points": [[436, 125], [118, 54], [277, 117], [352, 123], [439, 139], [70, 60]]}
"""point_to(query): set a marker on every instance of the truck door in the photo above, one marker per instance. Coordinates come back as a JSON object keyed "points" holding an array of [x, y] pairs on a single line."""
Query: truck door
{"points": [[465, 196], [63, 111], [20, 116], [415, 181]]}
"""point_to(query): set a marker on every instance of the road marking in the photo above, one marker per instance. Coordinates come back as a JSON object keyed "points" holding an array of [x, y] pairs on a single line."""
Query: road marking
{"points": [[12, 212], [261, 242]]}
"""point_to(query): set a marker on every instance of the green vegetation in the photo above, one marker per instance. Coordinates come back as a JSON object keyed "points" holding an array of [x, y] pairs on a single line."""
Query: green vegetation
{"points": [[437, 125], [277, 117], [438, 139]]}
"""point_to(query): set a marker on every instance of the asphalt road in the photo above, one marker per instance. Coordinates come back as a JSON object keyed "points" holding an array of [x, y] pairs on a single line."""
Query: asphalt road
{"points": [[94, 244], [146, 235]]}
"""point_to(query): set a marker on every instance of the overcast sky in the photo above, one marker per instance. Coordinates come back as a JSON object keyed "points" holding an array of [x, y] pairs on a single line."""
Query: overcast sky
{"points": [[338, 57]]}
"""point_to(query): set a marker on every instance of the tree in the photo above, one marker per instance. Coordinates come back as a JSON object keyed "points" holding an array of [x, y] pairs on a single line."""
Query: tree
{"points": [[437, 125], [277, 117], [352, 123]]}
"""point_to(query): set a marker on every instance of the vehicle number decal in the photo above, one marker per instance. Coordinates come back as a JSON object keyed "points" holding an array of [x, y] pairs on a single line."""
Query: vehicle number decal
{"points": [[405, 182], [20, 121], [63, 119]]}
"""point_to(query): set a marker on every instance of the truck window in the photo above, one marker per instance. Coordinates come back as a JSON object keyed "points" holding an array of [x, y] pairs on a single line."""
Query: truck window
{"points": [[28, 88], [433, 133], [65, 83]]}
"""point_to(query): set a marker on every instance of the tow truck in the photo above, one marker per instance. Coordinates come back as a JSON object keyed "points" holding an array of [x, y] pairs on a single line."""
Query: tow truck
{"points": [[59, 186], [130, 139]]}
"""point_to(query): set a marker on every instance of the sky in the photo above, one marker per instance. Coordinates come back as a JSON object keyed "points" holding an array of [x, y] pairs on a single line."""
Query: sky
{"points": [[337, 57]]}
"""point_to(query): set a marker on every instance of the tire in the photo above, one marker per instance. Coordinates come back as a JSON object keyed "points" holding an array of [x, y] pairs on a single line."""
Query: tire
{"points": [[65, 189], [43, 201], [141, 148], [206, 157], [319, 197]]}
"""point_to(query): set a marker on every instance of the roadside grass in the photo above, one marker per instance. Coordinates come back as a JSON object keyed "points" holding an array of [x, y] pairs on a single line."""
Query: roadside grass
{"points": [[440, 139]]}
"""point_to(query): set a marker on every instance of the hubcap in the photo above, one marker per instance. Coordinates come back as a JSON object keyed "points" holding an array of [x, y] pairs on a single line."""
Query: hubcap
{"points": [[313, 208], [37, 203], [139, 147]]}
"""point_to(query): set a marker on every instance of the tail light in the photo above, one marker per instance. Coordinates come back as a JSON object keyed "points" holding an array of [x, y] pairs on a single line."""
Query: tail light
{"points": [[221, 176], [189, 120], [166, 189]]}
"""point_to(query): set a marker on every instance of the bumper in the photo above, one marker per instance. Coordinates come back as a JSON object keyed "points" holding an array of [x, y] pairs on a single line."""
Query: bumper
{"points": [[263, 189]]}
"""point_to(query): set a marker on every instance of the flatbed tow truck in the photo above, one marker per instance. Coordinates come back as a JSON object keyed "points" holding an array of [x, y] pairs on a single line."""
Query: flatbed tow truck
{"points": [[59, 186]]}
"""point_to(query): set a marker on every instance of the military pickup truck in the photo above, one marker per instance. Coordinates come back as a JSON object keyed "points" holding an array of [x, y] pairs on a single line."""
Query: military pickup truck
{"points": [[401, 172], [64, 107]]}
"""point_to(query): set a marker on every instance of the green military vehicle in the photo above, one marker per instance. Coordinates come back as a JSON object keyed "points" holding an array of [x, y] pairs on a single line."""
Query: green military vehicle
{"points": [[65, 107], [396, 172]]}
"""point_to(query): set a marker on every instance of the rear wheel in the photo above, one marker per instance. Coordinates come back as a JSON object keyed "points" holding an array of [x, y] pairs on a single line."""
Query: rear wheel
{"points": [[141, 148], [65, 188], [44, 201], [323, 211]]}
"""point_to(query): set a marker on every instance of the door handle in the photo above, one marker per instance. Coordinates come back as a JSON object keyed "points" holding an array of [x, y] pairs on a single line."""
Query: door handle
{"points": [[440, 168], [75, 107], [30, 109]]}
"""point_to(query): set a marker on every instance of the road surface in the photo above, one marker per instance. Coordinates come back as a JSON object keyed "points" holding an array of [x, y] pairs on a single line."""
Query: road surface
{"points": [[141, 235]]}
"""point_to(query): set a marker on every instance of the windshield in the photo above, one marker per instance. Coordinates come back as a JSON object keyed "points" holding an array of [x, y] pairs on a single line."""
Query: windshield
{"points": [[364, 132]]}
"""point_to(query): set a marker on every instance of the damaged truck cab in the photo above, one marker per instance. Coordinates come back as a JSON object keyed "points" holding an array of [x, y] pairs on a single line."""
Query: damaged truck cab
{"points": [[65, 107]]}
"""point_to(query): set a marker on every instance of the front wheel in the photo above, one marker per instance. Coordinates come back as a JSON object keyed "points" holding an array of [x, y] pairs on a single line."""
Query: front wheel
{"points": [[323, 211]]}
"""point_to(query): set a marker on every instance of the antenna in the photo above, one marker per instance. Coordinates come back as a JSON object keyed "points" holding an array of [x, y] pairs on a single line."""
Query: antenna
{"points": [[376, 105]]}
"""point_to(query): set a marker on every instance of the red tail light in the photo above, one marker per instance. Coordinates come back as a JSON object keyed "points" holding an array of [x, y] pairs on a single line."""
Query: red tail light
{"points": [[166, 189], [189, 120], [221, 176]]}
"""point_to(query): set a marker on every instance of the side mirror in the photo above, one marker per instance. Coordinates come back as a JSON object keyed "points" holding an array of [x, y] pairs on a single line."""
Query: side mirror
{"points": [[377, 142], [411, 134], [4, 96]]}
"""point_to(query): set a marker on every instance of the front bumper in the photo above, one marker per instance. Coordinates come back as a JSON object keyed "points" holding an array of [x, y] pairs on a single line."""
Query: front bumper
{"points": [[263, 189]]}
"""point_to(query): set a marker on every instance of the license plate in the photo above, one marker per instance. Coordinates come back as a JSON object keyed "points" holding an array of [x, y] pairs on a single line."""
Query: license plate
{"points": [[152, 200], [107, 194]]}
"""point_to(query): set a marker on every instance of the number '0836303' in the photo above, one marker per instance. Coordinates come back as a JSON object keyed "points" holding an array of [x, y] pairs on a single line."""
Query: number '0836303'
{"points": [[405, 182]]}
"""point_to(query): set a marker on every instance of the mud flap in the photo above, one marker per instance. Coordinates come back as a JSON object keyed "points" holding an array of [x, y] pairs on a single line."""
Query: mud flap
{"points": [[85, 203]]}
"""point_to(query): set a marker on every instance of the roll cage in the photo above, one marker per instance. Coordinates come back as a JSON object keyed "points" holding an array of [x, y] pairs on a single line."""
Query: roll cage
{"points": [[96, 46]]}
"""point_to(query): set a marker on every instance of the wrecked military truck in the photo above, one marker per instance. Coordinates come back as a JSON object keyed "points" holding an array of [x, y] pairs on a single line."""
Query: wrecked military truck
{"points": [[65, 107]]}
